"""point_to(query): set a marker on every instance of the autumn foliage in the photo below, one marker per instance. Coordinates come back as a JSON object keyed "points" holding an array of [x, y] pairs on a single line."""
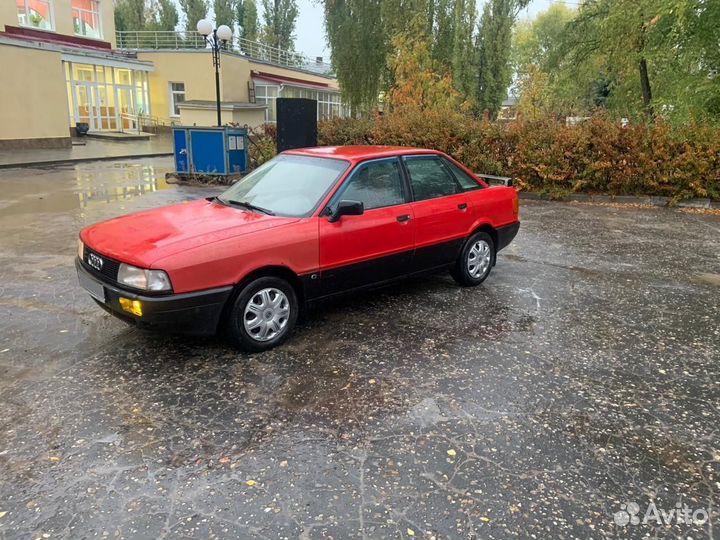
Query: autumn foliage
{"points": [[595, 156]]}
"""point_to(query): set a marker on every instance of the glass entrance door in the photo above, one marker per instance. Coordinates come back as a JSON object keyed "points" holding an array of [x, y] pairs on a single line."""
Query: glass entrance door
{"points": [[126, 107], [87, 105]]}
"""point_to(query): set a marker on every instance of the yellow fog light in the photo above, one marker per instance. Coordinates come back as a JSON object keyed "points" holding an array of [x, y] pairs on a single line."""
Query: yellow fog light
{"points": [[131, 306]]}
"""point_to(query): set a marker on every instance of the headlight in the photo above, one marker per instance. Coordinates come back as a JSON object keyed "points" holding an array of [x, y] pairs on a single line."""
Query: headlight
{"points": [[139, 278], [81, 249]]}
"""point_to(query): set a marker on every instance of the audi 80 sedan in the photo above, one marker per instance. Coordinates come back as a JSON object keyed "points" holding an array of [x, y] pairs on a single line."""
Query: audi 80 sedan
{"points": [[308, 224]]}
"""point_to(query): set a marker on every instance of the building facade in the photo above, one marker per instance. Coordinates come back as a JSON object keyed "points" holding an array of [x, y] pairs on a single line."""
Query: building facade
{"points": [[64, 64]]}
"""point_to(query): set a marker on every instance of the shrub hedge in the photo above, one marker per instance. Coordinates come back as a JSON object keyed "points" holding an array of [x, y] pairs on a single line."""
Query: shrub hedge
{"points": [[595, 156]]}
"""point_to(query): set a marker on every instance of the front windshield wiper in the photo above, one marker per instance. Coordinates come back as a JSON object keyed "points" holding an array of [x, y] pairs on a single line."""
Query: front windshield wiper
{"points": [[247, 205]]}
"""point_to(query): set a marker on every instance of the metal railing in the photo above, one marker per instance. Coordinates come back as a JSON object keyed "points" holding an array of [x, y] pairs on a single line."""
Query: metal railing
{"points": [[137, 123], [133, 40]]}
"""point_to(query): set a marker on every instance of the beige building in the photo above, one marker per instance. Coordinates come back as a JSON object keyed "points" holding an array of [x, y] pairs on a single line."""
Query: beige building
{"points": [[64, 64]]}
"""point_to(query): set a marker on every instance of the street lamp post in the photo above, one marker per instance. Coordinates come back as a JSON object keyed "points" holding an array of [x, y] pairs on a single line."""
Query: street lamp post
{"points": [[220, 36]]}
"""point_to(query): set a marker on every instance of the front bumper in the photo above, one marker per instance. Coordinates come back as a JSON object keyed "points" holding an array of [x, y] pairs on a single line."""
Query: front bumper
{"points": [[196, 313]]}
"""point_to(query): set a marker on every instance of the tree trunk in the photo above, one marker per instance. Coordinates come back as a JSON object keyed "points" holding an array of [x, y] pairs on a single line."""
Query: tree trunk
{"points": [[646, 90]]}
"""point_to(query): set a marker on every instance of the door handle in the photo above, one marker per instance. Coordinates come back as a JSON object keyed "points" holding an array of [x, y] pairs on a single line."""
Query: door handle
{"points": [[404, 218], [462, 207]]}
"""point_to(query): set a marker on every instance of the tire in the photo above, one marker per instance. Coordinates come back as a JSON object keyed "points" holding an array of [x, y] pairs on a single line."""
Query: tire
{"points": [[469, 273], [263, 315]]}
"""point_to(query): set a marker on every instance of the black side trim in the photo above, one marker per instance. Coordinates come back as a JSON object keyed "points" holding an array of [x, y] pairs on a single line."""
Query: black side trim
{"points": [[366, 273], [437, 255], [196, 313], [506, 235], [381, 271]]}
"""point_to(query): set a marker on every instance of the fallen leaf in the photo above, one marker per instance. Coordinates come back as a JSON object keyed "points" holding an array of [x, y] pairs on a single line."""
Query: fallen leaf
{"points": [[484, 519], [54, 459], [251, 482], [224, 459], [410, 532], [2, 514], [372, 381], [451, 453]]}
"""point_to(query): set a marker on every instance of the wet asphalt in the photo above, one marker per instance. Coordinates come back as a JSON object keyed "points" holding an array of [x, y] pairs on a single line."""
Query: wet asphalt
{"points": [[581, 377]]}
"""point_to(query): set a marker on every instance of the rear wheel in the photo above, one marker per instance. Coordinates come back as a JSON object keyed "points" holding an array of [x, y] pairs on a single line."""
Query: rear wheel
{"points": [[475, 260], [263, 314]]}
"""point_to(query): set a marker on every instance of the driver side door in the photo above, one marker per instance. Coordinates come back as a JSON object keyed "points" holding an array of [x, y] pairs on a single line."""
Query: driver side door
{"points": [[376, 246]]}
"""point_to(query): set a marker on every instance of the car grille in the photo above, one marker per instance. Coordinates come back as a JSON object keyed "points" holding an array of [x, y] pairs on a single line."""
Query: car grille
{"points": [[108, 269]]}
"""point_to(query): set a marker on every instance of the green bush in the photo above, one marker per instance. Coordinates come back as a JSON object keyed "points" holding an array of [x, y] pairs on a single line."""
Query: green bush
{"points": [[595, 156], [262, 144]]}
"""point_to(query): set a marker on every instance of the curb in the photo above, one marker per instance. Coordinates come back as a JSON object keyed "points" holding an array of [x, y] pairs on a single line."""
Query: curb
{"points": [[33, 164], [663, 202]]}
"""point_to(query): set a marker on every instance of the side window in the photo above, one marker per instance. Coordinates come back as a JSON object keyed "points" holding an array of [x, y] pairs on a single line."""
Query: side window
{"points": [[429, 178], [464, 179], [376, 184]]}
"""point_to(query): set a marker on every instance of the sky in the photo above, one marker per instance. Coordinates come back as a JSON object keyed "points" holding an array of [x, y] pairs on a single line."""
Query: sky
{"points": [[310, 27]]}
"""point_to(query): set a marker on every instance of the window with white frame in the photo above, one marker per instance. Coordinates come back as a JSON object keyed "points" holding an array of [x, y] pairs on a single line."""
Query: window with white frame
{"points": [[328, 103], [86, 18], [267, 94], [177, 96], [35, 13]]}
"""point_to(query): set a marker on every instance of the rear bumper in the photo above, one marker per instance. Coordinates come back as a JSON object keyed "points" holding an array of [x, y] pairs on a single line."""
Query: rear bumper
{"points": [[196, 313], [507, 234]]}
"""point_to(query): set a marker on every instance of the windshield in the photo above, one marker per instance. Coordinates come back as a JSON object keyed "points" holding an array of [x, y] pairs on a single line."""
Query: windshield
{"points": [[287, 185]]}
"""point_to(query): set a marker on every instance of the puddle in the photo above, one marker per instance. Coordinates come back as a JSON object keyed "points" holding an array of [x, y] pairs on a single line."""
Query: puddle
{"points": [[63, 190], [122, 184], [712, 279]]}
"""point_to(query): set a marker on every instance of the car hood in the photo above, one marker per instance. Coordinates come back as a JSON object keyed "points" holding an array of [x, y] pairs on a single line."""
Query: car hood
{"points": [[145, 237]]}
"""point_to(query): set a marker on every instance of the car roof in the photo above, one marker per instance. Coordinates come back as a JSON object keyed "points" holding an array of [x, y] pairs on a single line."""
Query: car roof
{"points": [[359, 153]]}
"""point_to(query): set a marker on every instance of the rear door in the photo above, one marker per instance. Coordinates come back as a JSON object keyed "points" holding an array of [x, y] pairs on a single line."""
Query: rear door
{"points": [[373, 247], [443, 211]]}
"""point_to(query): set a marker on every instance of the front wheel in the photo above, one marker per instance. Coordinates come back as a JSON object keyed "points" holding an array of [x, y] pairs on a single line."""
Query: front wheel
{"points": [[263, 314], [475, 261]]}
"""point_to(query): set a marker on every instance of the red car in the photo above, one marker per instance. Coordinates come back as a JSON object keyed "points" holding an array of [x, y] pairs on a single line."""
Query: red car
{"points": [[306, 225]]}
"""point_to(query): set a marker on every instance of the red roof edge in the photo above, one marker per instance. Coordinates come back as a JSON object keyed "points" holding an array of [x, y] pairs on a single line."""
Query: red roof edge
{"points": [[281, 79], [31, 34]]}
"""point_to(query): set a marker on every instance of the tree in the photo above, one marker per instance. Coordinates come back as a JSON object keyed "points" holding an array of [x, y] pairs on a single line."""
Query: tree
{"points": [[194, 10], [357, 41], [248, 19], [444, 32], [454, 21], [417, 85], [493, 53], [537, 57], [164, 16], [130, 15], [224, 12], [279, 23], [462, 47], [539, 42], [533, 87]]}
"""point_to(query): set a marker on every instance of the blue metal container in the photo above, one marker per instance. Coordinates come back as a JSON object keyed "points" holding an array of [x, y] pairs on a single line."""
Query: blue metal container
{"points": [[206, 150]]}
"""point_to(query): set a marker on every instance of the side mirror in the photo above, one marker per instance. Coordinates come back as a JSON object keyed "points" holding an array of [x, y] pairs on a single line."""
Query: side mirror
{"points": [[347, 208]]}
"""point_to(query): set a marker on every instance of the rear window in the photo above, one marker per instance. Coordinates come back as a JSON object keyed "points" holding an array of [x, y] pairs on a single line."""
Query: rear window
{"points": [[466, 181]]}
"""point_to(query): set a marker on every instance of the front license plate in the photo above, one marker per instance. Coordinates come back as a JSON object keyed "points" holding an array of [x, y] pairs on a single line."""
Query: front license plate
{"points": [[95, 288]]}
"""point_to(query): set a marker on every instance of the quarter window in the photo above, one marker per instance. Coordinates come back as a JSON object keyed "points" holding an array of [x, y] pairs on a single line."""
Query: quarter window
{"points": [[177, 96], [376, 184], [466, 181], [86, 18], [429, 179], [35, 13]]}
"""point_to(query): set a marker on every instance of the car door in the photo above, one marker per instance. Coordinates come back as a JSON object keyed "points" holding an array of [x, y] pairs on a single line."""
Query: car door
{"points": [[443, 211], [373, 247]]}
